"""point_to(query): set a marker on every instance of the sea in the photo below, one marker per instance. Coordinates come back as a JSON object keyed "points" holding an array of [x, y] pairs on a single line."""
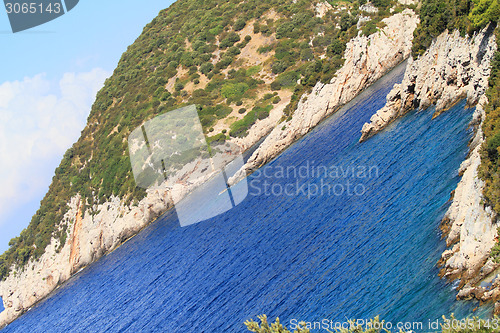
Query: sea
{"points": [[331, 230]]}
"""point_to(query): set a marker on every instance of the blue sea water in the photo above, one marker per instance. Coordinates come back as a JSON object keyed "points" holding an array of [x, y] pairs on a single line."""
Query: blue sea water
{"points": [[334, 246]]}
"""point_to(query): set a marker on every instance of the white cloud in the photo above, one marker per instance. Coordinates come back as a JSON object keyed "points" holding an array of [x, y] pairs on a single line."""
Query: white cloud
{"points": [[39, 121]]}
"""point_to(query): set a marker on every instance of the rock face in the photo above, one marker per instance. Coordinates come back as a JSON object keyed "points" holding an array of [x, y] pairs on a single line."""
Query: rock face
{"points": [[92, 235], [471, 230], [451, 69], [468, 224], [367, 58], [89, 238]]}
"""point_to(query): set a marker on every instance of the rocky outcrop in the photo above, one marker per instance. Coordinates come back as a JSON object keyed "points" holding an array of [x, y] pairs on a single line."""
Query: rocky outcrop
{"points": [[91, 234], [470, 228], [367, 58], [453, 68], [468, 225], [95, 232]]}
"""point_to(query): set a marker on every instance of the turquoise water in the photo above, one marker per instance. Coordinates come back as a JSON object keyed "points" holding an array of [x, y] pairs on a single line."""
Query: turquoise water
{"points": [[357, 240]]}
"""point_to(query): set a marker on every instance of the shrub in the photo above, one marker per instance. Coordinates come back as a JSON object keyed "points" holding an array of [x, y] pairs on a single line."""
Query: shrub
{"points": [[224, 62], [234, 91], [240, 24], [230, 40], [166, 95], [256, 28], [288, 79], [484, 12], [368, 29], [284, 30], [240, 127], [279, 67], [265, 49], [206, 68], [336, 48], [253, 70], [381, 3], [264, 29], [306, 54], [262, 112], [217, 139], [275, 85], [233, 51], [346, 21], [178, 86]]}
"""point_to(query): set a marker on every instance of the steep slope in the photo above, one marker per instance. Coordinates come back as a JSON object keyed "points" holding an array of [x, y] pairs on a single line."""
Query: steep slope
{"points": [[367, 59], [245, 64], [451, 66]]}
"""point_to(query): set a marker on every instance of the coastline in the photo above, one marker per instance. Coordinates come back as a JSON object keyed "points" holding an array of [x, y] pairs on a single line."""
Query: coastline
{"points": [[454, 68], [91, 236]]}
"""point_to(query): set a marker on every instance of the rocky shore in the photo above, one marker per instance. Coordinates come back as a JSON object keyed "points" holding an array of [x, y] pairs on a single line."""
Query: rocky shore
{"points": [[94, 233], [91, 235], [367, 58], [453, 68], [470, 229]]}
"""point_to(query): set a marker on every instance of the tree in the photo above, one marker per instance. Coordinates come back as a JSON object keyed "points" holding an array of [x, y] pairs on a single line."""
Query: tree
{"points": [[206, 68], [484, 12], [178, 86], [336, 48], [240, 24], [230, 39], [275, 327]]}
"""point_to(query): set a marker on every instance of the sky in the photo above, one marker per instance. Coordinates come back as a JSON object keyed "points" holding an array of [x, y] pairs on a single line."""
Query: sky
{"points": [[49, 76]]}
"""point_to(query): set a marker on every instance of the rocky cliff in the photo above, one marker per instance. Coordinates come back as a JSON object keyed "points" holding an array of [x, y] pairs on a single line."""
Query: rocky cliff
{"points": [[470, 228], [454, 68], [367, 58], [94, 232], [91, 235]]}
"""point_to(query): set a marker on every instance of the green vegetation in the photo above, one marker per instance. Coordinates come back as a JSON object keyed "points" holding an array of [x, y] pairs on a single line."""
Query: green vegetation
{"points": [[240, 128], [484, 12], [465, 15], [435, 17], [264, 327], [189, 54], [489, 170]]}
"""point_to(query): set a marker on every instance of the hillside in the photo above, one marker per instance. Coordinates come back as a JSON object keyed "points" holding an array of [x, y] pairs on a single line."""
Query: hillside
{"points": [[238, 61], [257, 68], [252, 68], [245, 65]]}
